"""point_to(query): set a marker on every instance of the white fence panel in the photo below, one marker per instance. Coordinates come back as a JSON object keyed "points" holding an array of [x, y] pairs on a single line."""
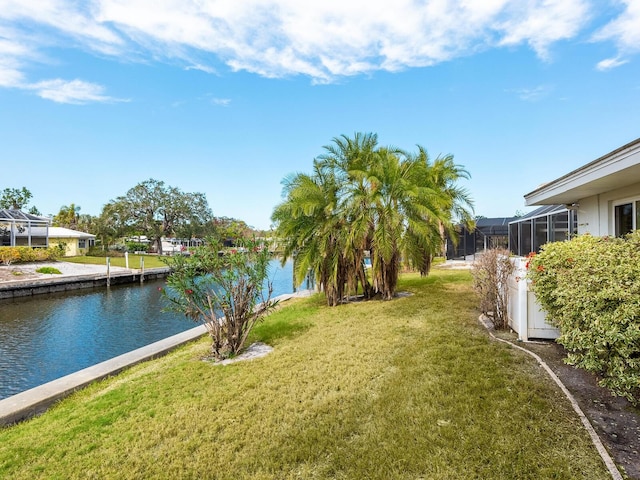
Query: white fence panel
{"points": [[525, 316]]}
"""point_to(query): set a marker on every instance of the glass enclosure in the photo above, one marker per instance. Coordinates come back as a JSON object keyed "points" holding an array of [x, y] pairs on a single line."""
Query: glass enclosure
{"points": [[551, 223]]}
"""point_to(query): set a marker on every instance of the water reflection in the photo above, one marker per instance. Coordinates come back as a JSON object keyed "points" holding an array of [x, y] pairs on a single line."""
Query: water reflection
{"points": [[48, 336]]}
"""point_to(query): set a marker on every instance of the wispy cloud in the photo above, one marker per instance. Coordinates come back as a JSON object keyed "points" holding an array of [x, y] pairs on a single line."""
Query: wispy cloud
{"points": [[221, 102], [74, 91], [610, 63], [533, 94], [624, 31], [324, 40]]}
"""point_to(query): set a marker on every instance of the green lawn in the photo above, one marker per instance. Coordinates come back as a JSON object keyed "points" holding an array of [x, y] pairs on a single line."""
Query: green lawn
{"points": [[407, 389], [150, 261]]}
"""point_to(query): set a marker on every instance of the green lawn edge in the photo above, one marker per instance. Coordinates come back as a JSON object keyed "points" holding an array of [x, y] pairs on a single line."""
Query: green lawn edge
{"points": [[409, 388]]}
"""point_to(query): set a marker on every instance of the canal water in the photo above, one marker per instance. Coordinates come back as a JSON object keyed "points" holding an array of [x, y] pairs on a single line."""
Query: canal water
{"points": [[45, 337]]}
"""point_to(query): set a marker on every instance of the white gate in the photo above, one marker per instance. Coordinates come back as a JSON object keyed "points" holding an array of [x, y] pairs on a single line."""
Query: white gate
{"points": [[525, 316]]}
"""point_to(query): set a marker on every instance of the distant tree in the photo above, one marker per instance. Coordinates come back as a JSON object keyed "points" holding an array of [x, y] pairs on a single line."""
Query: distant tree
{"points": [[157, 210], [86, 223], [109, 226], [14, 198], [226, 228], [68, 216]]}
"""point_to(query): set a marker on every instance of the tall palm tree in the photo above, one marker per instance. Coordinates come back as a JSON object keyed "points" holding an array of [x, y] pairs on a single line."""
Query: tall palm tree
{"points": [[362, 199], [67, 216], [312, 232], [350, 160]]}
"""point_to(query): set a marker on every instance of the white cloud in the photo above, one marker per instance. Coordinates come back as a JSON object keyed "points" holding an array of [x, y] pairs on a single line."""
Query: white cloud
{"points": [[624, 31], [609, 63], [533, 94], [543, 22], [221, 102], [74, 91], [322, 39]]}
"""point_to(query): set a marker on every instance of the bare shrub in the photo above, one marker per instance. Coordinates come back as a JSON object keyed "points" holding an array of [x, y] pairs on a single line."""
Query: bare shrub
{"points": [[490, 274]]}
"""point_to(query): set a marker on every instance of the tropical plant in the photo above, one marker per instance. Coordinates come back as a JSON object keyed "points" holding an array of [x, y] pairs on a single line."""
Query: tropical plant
{"points": [[362, 199], [225, 292], [68, 216], [589, 287]]}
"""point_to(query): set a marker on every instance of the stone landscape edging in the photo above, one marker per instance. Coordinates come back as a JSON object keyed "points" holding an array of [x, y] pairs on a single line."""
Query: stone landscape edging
{"points": [[604, 454]]}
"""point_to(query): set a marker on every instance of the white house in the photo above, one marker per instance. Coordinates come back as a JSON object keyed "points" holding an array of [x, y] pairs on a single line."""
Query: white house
{"points": [[601, 198], [605, 193]]}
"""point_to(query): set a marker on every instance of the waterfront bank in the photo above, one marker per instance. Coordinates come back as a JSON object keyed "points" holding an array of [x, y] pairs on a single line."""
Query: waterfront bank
{"points": [[23, 279], [37, 400], [48, 336]]}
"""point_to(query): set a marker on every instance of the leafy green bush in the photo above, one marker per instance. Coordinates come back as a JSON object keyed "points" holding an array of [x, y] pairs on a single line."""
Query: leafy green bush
{"points": [[100, 252], [49, 270], [9, 255], [590, 288], [137, 247]]}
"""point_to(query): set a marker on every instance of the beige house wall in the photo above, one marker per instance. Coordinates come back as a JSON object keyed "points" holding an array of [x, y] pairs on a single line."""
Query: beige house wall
{"points": [[72, 248]]}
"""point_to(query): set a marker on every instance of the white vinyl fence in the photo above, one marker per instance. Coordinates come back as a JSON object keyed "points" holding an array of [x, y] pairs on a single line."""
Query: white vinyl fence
{"points": [[523, 311]]}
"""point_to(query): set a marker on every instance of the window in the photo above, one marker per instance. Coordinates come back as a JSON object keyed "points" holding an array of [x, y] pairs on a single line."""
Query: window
{"points": [[82, 243], [626, 217], [560, 227], [540, 229]]}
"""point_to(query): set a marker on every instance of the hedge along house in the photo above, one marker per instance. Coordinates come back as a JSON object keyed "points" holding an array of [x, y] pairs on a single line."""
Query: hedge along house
{"points": [[602, 198], [19, 229]]}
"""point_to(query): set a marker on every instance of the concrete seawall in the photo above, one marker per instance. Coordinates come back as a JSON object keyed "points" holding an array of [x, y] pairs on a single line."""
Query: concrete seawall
{"points": [[25, 288], [37, 400]]}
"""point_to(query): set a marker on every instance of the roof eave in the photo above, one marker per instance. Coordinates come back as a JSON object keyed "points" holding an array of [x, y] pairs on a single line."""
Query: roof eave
{"points": [[616, 169]]}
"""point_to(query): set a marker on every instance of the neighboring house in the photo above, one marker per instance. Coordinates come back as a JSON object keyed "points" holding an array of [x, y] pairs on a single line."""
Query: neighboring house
{"points": [[488, 233], [18, 228], [601, 198], [75, 242]]}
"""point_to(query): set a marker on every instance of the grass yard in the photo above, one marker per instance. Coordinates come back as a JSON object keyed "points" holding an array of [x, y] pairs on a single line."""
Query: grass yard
{"points": [[150, 261], [407, 389]]}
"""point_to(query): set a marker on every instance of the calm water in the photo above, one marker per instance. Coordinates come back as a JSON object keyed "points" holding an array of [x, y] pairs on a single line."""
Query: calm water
{"points": [[48, 336]]}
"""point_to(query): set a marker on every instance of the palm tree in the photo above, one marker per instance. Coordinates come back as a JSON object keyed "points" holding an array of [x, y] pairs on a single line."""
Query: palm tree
{"points": [[350, 160], [363, 198], [312, 232], [67, 216]]}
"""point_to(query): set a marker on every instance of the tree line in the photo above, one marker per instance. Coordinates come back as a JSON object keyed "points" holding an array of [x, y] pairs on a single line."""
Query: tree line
{"points": [[361, 201], [151, 208]]}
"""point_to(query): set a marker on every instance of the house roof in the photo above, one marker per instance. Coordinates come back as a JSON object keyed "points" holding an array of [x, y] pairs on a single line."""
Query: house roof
{"points": [[493, 226], [56, 232], [541, 212], [617, 169], [11, 214]]}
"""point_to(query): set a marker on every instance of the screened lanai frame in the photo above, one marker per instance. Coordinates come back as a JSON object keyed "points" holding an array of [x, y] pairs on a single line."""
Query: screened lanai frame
{"points": [[550, 223], [18, 228]]}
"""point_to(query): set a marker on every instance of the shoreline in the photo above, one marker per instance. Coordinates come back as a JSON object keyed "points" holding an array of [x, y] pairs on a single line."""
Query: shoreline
{"points": [[37, 400], [22, 280]]}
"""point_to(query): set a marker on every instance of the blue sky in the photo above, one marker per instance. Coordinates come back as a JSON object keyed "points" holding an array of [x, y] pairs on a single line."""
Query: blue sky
{"points": [[226, 98]]}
